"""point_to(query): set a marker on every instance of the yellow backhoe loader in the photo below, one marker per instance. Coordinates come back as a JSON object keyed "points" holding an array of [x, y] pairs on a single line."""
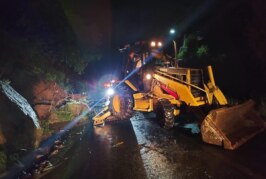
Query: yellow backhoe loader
{"points": [[166, 89]]}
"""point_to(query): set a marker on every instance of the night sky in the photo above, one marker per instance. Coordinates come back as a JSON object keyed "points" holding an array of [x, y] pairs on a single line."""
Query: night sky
{"points": [[233, 28], [115, 23]]}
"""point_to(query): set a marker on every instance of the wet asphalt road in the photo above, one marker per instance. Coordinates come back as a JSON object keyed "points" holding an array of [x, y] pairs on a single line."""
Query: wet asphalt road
{"points": [[139, 148]]}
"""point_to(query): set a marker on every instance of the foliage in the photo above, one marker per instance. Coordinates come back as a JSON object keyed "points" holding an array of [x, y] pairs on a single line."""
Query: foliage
{"points": [[193, 51], [12, 158], [3, 160], [46, 127], [41, 41], [69, 111], [202, 51], [182, 52], [64, 114]]}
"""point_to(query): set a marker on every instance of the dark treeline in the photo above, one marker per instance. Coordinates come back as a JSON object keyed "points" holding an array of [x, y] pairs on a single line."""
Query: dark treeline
{"points": [[69, 38]]}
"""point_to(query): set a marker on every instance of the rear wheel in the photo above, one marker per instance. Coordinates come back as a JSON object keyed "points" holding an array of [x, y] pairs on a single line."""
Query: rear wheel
{"points": [[165, 113], [121, 104]]}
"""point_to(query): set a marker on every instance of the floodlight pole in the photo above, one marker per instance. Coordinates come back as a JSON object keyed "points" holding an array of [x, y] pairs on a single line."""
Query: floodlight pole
{"points": [[175, 49]]}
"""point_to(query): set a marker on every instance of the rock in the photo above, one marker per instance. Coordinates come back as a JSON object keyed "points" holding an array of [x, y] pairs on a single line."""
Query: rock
{"points": [[54, 152], [48, 91], [48, 166], [46, 96], [17, 130], [59, 146], [39, 157], [43, 111], [57, 142]]}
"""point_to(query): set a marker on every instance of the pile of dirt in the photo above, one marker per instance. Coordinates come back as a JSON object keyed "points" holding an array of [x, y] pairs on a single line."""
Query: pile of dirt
{"points": [[46, 96], [53, 104], [18, 135]]}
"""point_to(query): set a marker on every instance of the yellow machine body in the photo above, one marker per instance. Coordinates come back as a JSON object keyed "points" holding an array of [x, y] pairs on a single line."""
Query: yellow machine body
{"points": [[116, 103], [229, 127]]}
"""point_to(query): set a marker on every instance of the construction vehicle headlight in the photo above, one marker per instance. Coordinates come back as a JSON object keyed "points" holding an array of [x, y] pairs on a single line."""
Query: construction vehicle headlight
{"points": [[148, 76], [107, 85], [159, 44], [153, 44], [110, 91]]}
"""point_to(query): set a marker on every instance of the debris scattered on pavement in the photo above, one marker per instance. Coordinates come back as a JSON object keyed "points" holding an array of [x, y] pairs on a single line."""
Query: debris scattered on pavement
{"points": [[54, 152], [194, 128], [79, 133], [38, 157], [48, 166], [117, 144], [19, 164], [57, 142]]}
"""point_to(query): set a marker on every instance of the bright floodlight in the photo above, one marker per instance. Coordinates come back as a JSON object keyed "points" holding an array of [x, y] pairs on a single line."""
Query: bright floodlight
{"points": [[160, 44], [110, 91], [148, 76], [172, 31], [153, 44]]}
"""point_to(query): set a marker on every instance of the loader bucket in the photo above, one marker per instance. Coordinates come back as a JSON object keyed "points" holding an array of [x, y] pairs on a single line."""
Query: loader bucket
{"points": [[231, 127]]}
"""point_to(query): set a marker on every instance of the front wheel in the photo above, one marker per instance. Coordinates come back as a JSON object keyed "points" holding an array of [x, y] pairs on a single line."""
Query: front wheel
{"points": [[165, 113], [121, 104]]}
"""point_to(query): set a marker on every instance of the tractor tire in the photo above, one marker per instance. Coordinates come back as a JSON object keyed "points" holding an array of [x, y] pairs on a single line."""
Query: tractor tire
{"points": [[165, 113], [124, 97]]}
